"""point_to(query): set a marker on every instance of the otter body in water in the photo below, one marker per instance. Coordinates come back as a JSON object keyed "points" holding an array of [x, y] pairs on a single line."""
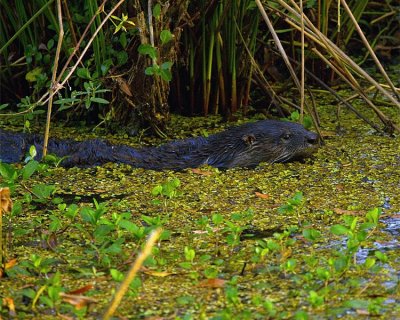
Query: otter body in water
{"points": [[242, 146]]}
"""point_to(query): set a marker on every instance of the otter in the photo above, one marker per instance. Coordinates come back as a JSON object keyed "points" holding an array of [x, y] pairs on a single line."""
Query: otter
{"points": [[246, 145]]}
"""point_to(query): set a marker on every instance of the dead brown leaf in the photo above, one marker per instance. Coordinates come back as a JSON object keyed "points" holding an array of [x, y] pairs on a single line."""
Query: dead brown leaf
{"points": [[348, 212], [82, 289], [9, 303], [201, 172], [10, 264], [212, 283], [262, 195], [340, 187], [78, 301], [124, 86]]}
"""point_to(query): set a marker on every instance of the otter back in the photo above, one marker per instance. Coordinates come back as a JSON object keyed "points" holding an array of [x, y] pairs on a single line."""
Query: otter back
{"points": [[242, 146]]}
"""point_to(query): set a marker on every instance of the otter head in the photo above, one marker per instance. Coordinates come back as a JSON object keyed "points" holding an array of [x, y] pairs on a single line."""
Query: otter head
{"points": [[274, 141]]}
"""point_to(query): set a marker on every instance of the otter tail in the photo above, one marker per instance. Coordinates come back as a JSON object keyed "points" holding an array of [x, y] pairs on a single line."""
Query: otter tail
{"points": [[15, 146]]}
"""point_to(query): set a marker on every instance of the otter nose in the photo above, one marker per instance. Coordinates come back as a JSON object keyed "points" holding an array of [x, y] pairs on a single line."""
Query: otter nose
{"points": [[312, 138]]}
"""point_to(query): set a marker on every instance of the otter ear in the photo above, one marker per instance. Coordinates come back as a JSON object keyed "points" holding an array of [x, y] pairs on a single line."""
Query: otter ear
{"points": [[249, 139]]}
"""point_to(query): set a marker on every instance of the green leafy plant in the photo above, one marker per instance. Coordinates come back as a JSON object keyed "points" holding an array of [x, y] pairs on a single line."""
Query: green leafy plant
{"points": [[294, 205], [104, 243], [165, 192], [356, 233], [38, 264], [158, 68], [162, 70], [189, 258], [234, 230], [295, 117], [168, 189]]}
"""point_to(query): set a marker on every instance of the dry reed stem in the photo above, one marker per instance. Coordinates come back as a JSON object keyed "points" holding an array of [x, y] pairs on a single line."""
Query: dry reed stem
{"points": [[132, 273], [53, 78]]}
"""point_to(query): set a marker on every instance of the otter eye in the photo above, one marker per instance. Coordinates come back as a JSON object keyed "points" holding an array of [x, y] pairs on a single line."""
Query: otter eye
{"points": [[286, 136]]}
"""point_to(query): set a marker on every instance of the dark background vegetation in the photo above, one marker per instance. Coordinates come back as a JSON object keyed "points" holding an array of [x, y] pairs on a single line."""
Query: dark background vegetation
{"points": [[190, 57]]}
